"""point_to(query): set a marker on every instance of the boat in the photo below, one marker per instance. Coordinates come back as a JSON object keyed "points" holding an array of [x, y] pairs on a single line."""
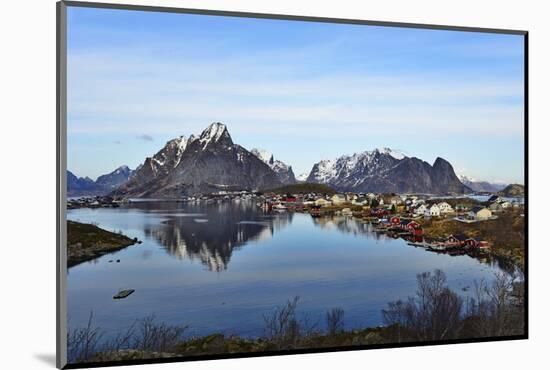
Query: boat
{"points": [[123, 294]]}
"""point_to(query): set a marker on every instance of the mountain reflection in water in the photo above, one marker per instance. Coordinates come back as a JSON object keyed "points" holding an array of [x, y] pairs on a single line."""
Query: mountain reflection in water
{"points": [[220, 267], [211, 233]]}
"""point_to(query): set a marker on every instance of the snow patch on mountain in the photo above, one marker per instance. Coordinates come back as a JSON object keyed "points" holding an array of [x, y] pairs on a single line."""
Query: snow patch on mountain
{"points": [[283, 171], [394, 153], [213, 133], [263, 154]]}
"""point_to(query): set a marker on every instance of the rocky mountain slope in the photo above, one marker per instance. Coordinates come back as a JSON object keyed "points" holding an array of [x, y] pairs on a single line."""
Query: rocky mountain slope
{"points": [[284, 172], [208, 163], [386, 170], [481, 186], [513, 190], [84, 186]]}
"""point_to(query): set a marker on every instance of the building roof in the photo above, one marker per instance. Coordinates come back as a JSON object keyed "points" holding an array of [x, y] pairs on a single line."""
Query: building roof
{"points": [[460, 237], [476, 209]]}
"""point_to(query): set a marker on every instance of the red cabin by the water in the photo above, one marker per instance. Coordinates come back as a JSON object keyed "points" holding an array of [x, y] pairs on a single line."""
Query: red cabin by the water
{"points": [[417, 231], [395, 220], [478, 243], [413, 225], [456, 240]]}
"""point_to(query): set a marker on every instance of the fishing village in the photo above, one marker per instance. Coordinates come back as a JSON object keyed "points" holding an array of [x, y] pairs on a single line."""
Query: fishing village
{"points": [[451, 225]]}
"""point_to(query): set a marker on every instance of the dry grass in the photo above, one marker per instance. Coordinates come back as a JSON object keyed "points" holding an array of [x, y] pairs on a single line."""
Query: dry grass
{"points": [[86, 242], [506, 234]]}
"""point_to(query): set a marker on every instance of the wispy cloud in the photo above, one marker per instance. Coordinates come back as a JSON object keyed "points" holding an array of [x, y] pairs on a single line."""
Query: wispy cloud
{"points": [[326, 91], [145, 137]]}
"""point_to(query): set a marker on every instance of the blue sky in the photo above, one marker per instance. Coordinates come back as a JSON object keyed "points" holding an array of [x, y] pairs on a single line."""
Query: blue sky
{"points": [[302, 90]]}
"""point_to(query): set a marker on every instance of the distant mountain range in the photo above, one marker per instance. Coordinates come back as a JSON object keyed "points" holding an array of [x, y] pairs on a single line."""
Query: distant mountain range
{"points": [[481, 186], [211, 162], [77, 186], [387, 171]]}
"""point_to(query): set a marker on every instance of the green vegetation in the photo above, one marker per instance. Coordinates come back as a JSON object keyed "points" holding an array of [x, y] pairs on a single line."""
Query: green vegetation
{"points": [[506, 233], [86, 242], [435, 312], [513, 190], [305, 188]]}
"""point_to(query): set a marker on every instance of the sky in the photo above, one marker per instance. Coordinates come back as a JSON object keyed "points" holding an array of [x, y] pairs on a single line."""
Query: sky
{"points": [[304, 91]]}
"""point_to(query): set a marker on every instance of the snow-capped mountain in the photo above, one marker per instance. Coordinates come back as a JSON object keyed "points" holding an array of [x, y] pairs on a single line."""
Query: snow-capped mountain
{"points": [[386, 170], [481, 186], [302, 177], [283, 171], [208, 163], [116, 178]]}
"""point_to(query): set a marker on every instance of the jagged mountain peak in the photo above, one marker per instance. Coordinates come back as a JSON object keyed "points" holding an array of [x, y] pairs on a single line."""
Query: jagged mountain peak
{"points": [[397, 154], [284, 172], [263, 154], [215, 133], [386, 170], [209, 163]]}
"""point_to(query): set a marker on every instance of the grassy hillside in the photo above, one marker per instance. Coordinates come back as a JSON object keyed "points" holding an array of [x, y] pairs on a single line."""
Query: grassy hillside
{"points": [[513, 190], [506, 233], [86, 242], [303, 189]]}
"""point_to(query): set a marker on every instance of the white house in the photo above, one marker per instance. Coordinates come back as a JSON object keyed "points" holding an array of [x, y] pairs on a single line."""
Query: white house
{"points": [[433, 211], [360, 201], [322, 202], [506, 204], [480, 213], [495, 198], [338, 199], [395, 200], [420, 210], [445, 208]]}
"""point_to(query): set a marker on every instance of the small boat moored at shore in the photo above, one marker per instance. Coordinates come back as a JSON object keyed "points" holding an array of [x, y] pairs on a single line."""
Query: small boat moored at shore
{"points": [[123, 294]]}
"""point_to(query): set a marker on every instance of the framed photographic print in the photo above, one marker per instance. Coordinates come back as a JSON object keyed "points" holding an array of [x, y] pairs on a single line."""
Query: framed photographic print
{"points": [[236, 184]]}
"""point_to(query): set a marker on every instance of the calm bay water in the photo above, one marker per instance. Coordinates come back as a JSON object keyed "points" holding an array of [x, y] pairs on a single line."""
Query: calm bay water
{"points": [[221, 267]]}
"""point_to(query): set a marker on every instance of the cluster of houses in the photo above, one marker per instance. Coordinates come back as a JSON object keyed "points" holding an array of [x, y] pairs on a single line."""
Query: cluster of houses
{"points": [[379, 205], [92, 202], [412, 231], [499, 204]]}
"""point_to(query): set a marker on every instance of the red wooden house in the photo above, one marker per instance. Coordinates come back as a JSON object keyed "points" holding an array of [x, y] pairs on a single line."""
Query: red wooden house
{"points": [[457, 240], [413, 225], [478, 243], [417, 231]]}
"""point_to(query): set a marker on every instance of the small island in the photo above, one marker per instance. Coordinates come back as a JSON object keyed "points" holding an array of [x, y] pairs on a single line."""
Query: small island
{"points": [[86, 242]]}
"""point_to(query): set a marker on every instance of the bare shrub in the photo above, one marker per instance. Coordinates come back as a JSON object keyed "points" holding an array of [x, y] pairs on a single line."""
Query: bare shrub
{"points": [[437, 313], [434, 313], [157, 337], [335, 321], [83, 343], [284, 329]]}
